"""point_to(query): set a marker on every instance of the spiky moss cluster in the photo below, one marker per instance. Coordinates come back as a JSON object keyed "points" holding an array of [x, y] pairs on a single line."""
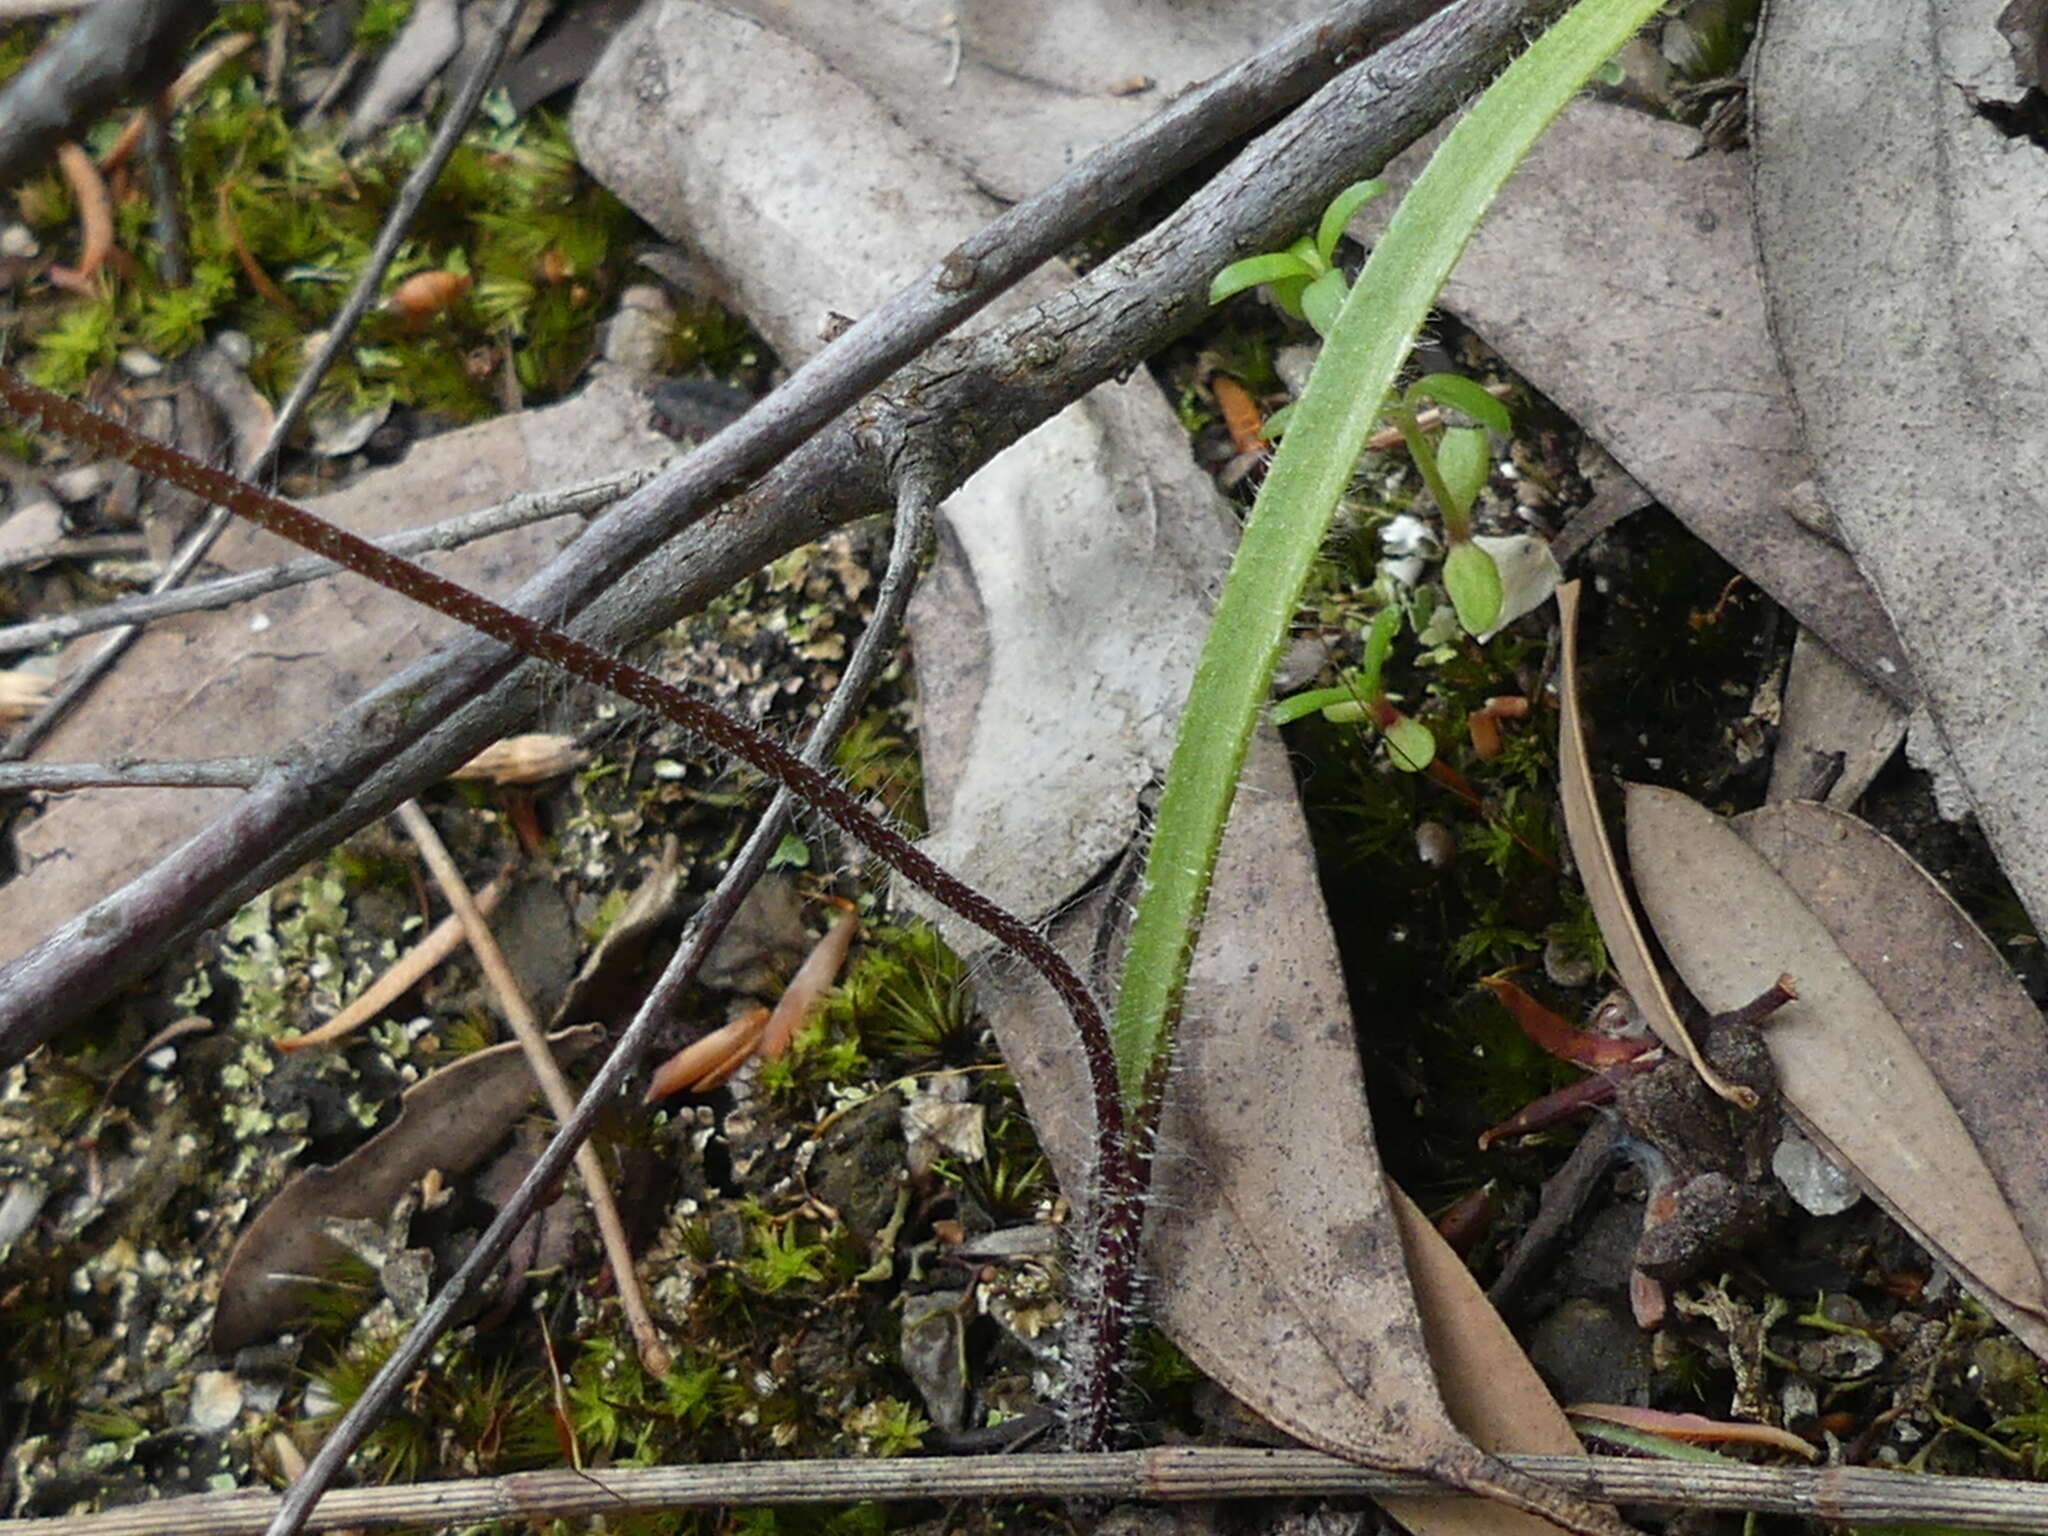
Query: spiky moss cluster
{"points": [[279, 222]]}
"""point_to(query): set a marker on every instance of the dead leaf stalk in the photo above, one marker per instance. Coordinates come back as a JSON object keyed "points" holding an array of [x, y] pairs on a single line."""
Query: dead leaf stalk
{"points": [[1839, 1495]]}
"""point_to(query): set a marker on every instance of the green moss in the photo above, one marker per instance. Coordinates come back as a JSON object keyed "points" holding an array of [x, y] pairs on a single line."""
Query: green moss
{"points": [[512, 208], [77, 341], [379, 23]]}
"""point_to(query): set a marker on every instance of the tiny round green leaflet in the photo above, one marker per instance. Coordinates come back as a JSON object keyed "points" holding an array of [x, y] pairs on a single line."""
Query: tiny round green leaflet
{"points": [[1368, 342]]}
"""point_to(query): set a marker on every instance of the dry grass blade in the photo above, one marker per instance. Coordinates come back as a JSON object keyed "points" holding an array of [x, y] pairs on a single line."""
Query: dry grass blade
{"points": [[1626, 946], [654, 1352], [404, 973]]}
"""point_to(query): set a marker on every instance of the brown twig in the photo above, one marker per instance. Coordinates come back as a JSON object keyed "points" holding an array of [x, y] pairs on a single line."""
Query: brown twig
{"points": [[655, 1356], [1837, 1495]]}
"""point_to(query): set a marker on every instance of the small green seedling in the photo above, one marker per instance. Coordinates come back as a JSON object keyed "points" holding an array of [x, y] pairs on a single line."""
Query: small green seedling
{"points": [[1303, 279], [1363, 696], [1455, 469]]}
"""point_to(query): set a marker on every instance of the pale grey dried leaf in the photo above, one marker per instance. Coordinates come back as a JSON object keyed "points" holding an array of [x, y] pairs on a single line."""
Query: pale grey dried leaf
{"points": [[1836, 732], [1957, 1000], [1620, 278], [250, 678], [447, 1120], [1038, 86], [1851, 1074], [1880, 189]]}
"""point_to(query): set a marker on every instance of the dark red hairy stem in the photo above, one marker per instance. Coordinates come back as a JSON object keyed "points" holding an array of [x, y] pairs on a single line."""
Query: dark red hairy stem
{"points": [[38, 407]]}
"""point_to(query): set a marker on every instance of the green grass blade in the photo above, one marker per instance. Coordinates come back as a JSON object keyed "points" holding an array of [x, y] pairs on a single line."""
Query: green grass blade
{"points": [[1372, 336]]}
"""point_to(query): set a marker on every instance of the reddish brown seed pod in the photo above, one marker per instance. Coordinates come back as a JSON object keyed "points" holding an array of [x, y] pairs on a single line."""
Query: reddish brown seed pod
{"points": [[426, 294]]}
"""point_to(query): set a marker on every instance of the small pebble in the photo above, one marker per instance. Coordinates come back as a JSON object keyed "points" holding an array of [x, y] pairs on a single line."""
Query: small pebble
{"points": [[1435, 844], [1565, 966], [1820, 1188], [80, 484], [18, 242], [216, 1401]]}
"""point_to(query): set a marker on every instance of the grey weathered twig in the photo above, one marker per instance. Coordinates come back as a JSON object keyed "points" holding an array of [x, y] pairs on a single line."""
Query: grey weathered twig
{"points": [[183, 773], [978, 394], [1837, 1495], [450, 533]]}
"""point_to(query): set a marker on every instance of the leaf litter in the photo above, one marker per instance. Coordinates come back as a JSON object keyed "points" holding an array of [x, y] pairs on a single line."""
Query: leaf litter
{"points": [[1444, 1371], [1852, 1075]]}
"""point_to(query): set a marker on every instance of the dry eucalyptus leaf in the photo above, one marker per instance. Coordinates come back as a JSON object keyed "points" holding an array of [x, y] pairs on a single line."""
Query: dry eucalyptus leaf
{"points": [[447, 1120], [1606, 893], [1880, 187], [1620, 278], [1850, 1072], [1492, 1390], [1958, 1002], [609, 973], [1035, 88]]}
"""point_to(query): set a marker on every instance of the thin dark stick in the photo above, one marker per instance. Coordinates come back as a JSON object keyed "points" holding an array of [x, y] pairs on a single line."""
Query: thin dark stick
{"points": [[979, 394], [167, 212], [450, 533], [115, 47], [454, 123], [189, 773], [1836, 1495]]}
